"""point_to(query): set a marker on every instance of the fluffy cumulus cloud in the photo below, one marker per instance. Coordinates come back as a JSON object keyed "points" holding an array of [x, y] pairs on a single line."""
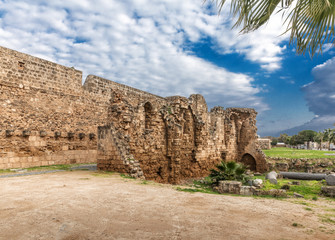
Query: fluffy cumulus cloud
{"points": [[320, 94], [320, 97], [142, 43]]}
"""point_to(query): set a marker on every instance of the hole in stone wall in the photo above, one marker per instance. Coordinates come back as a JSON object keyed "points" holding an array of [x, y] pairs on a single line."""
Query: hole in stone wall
{"points": [[81, 136], [148, 115], [70, 135], [9, 133], [26, 133], [21, 65], [223, 155], [92, 136], [159, 172], [57, 134], [43, 133]]}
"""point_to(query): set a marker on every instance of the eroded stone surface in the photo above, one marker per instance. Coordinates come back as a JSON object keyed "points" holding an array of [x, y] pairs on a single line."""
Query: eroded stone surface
{"points": [[176, 137]]}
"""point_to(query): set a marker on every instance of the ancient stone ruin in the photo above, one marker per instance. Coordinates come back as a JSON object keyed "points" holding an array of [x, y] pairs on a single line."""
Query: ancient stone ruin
{"points": [[48, 117]]}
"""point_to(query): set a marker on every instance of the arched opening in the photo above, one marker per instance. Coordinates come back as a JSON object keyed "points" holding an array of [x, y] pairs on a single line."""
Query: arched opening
{"points": [[249, 161], [148, 115]]}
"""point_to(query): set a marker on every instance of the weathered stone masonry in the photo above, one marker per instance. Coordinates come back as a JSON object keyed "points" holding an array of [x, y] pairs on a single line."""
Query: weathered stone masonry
{"points": [[48, 117]]}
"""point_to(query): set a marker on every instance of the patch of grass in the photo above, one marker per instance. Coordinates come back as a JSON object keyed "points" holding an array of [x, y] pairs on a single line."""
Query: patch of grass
{"points": [[328, 219], [84, 178], [203, 186], [330, 209], [297, 224], [65, 167], [308, 209], [259, 177], [309, 189], [103, 174], [297, 153], [126, 176], [194, 190], [4, 171], [145, 182], [51, 167]]}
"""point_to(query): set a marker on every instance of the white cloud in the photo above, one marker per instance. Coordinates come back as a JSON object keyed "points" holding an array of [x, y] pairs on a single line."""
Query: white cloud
{"points": [[320, 94], [142, 43]]}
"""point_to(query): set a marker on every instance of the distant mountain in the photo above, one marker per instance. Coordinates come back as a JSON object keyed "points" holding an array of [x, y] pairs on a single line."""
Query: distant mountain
{"points": [[316, 124]]}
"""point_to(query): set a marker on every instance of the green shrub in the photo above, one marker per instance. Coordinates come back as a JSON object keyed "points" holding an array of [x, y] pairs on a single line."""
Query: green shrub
{"points": [[229, 171]]}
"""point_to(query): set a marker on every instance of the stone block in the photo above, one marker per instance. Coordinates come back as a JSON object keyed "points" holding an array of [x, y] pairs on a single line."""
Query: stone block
{"points": [[229, 187], [328, 191], [16, 165], [282, 167], [258, 183], [25, 165], [247, 190], [330, 179], [272, 177], [11, 154], [32, 138], [274, 192]]}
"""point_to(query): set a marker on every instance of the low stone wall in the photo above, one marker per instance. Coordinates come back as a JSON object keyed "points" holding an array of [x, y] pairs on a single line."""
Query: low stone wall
{"points": [[326, 165], [235, 187], [24, 149]]}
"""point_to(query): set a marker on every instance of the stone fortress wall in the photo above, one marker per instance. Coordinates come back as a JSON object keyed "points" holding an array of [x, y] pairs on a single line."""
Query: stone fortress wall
{"points": [[48, 117]]}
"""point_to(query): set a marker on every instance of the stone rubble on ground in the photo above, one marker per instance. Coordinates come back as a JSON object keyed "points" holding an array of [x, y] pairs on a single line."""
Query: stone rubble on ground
{"points": [[258, 183]]}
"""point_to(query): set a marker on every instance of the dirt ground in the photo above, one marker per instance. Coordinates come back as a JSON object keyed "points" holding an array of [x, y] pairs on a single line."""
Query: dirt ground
{"points": [[87, 205]]}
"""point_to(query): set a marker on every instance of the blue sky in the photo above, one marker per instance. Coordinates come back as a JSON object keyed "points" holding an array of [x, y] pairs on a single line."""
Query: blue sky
{"points": [[173, 47]]}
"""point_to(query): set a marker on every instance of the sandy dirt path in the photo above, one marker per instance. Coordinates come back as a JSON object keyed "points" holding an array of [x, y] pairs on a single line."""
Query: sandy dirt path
{"points": [[85, 205]]}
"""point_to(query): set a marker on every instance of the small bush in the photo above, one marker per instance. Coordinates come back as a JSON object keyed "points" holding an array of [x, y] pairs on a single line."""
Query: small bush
{"points": [[229, 171]]}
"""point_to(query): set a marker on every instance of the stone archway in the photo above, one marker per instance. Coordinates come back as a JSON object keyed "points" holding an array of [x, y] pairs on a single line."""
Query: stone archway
{"points": [[249, 161]]}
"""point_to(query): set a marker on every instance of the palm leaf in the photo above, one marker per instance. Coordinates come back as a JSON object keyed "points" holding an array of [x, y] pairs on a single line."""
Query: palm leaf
{"points": [[310, 22]]}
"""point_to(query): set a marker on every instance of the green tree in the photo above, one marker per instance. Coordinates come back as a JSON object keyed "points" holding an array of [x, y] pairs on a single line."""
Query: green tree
{"points": [[310, 23], [328, 135], [295, 140], [307, 135], [319, 138], [331, 137], [284, 138], [274, 141]]}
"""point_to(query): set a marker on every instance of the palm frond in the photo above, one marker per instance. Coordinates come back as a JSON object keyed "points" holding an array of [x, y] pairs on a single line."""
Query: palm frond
{"points": [[310, 22]]}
